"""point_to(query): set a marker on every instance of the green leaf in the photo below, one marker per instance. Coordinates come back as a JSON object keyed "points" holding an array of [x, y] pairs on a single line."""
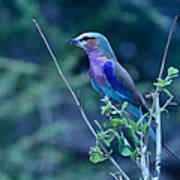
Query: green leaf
{"points": [[105, 99], [124, 105], [133, 125], [127, 151], [96, 158], [100, 134], [110, 152], [114, 122], [144, 128], [160, 80], [107, 124], [114, 112], [172, 71], [117, 121], [110, 130], [106, 137], [133, 156], [107, 142], [162, 83], [159, 84], [110, 137], [149, 153], [105, 108], [124, 149], [121, 143], [95, 149], [169, 82], [168, 92], [96, 155], [134, 136]]}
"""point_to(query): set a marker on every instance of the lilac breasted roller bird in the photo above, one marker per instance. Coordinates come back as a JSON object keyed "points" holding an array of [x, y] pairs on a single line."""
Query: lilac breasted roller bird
{"points": [[107, 75]]}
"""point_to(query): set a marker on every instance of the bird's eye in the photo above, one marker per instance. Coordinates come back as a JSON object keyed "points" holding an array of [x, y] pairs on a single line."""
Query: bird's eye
{"points": [[85, 38]]}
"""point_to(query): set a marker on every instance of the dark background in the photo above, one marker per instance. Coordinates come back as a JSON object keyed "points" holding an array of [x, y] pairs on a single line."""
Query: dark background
{"points": [[42, 135]]}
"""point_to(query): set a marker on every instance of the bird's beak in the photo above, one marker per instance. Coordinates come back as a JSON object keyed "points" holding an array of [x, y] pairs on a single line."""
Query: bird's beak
{"points": [[73, 41]]}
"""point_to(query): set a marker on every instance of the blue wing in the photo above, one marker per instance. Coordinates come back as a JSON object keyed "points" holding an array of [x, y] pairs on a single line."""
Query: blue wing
{"points": [[124, 93], [118, 91], [115, 84]]}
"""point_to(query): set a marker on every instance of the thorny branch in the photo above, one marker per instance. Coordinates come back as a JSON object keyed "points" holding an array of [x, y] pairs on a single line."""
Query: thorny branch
{"points": [[83, 114]]}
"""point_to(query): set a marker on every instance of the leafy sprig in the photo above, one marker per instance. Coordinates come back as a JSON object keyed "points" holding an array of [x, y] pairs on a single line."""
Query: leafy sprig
{"points": [[118, 118]]}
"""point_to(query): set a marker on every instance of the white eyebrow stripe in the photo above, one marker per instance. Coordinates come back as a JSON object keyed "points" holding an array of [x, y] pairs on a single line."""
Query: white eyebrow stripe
{"points": [[83, 35]]}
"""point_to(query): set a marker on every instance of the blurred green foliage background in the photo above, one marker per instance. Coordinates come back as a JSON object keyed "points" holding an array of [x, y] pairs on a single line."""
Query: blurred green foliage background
{"points": [[42, 135]]}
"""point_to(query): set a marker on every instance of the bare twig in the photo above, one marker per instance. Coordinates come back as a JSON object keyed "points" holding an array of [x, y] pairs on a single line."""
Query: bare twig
{"points": [[165, 56], [167, 45], [157, 105], [112, 160]]}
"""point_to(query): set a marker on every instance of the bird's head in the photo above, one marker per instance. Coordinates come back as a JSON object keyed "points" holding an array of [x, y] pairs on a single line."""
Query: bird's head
{"points": [[91, 41]]}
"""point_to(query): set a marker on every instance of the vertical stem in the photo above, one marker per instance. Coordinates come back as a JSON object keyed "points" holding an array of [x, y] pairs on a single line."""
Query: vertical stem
{"points": [[144, 159], [157, 105], [158, 139], [144, 164]]}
